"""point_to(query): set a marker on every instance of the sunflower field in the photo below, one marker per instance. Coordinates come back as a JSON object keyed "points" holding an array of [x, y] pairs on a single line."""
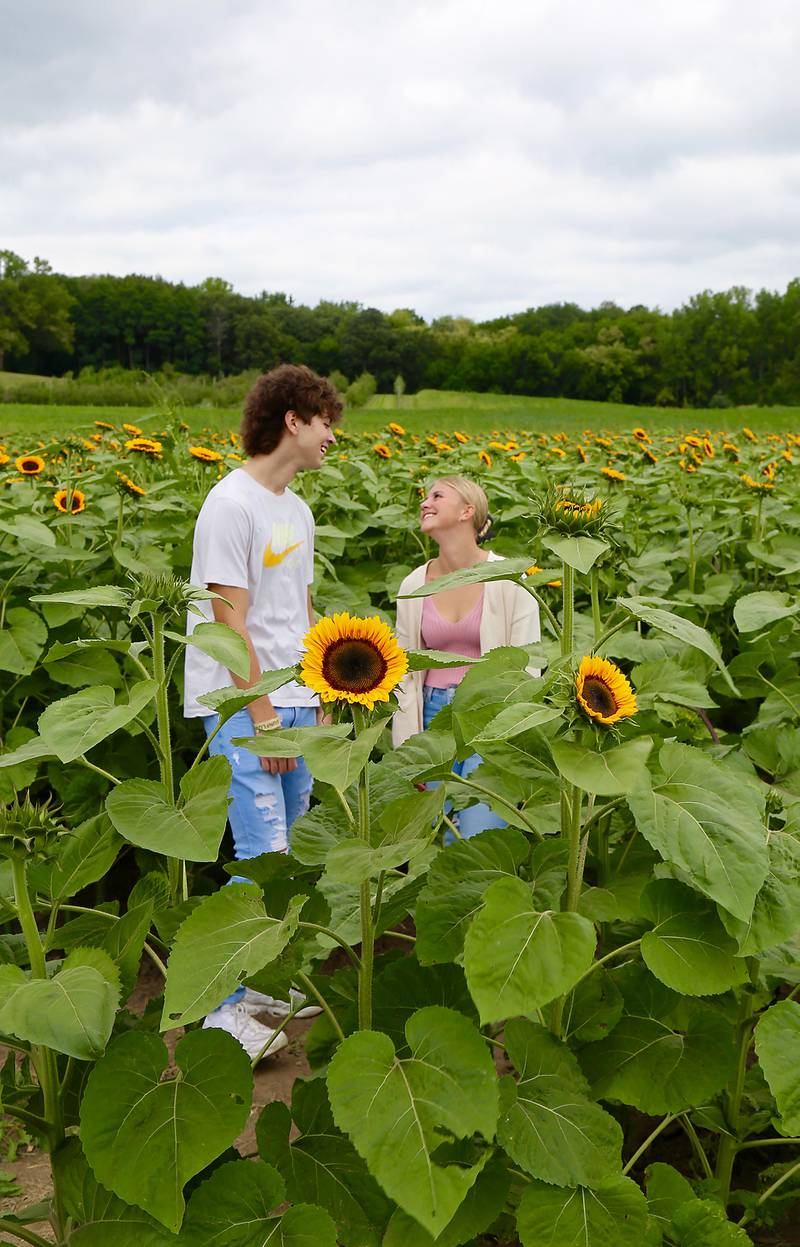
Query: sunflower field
{"points": [[581, 1028]]}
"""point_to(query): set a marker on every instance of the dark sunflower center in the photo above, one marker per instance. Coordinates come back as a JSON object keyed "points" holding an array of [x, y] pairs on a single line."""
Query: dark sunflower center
{"points": [[598, 696], [354, 666]]}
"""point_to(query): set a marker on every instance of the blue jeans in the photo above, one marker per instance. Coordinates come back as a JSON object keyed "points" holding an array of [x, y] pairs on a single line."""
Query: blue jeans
{"points": [[263, 806], [477, 817]]}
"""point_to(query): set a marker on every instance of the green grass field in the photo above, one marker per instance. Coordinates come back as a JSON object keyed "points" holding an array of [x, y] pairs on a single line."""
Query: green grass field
{"points": [[23, 426]]}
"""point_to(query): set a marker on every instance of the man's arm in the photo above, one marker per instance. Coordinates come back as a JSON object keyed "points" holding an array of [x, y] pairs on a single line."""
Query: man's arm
{"points": [[262, 709]]}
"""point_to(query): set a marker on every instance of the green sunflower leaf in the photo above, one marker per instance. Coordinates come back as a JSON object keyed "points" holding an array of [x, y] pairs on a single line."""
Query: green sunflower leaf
{"points": [[615, 1216], [778, 1047], [607, 773]]}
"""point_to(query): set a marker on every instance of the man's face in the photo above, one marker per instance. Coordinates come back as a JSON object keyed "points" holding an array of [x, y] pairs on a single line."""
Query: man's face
{"points": [[314, 439]]}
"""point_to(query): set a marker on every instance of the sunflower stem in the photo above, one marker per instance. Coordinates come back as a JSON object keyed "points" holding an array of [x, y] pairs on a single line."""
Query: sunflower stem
{"points": [[729, 1144], [571, 802], [568, 611], [165, 745], [692, 557], [597, 621], [367, 923]]}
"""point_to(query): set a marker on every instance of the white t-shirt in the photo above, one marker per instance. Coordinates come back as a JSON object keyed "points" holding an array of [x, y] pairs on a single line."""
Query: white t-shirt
{"points": [[250, 538]]}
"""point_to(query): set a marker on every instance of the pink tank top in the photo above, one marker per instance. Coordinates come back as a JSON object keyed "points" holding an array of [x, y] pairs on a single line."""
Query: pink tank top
{"points": [[460, 637]]}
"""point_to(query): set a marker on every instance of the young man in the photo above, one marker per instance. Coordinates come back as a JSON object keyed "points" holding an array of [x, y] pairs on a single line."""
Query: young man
{"points": [[254, 545]]}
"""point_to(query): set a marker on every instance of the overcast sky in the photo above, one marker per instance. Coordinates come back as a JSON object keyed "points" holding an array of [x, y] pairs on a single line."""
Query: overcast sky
{"points": [[452, 156]]}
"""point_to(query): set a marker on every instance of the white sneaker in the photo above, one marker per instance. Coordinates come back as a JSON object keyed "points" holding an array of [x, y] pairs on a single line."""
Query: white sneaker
{"points": [[252, 1035], [257, 1002]]}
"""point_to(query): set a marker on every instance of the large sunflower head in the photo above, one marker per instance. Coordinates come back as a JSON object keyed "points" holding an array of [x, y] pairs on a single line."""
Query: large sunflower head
{"points": [[353, 660], [205, 454], [70, 501], [603, 692], [29, 465]]}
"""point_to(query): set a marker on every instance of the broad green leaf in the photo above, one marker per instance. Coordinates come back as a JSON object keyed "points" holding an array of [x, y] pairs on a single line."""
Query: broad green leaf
{"points": [[353, 860], [228, 701], [666, 1191], [72, 1012], [578, 552], [408, 817], [320, 1165], [192, 829], [550, 1126], [426, 756], [75, 724], [517, 959], [481, 573], [666, 680], [314, 834], [220, 642], [615, 1216], [397, 1112], [98, 1217], [329, 755], [688, 948], [778, 1048], [226, 938], [484, 1202], [483, 694], [702, 1223], [146, 1136], [698, 818], [593, 1008], [21, 774], [759, 610], [680, 628], [82, 858], [436, 660], [124, 941], [454, 889], [234, 1207], [515, 719], [22, 639], [26, 529], [776, 913], [32, 749], [404, 986], [94, 666], [103, 595], [664, 1054], [609, 773]]}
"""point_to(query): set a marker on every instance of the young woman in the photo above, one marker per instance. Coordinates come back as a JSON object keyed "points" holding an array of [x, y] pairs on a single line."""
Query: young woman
{"points": [[471, 620]]}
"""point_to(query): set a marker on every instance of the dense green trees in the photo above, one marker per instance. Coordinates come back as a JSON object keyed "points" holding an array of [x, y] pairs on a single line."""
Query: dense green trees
{"points": [[719, 348]]}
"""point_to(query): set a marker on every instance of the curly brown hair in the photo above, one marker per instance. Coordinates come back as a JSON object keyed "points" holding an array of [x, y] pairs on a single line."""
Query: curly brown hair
{"points": [[289, 387]]}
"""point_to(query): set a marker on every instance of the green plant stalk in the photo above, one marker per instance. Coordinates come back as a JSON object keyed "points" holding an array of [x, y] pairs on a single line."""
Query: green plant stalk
{"points": [[44, 1059], [597, 621], [729, 1144], [175, 872], [568, 609], [748, 1216], [651, 1138], [367, 924], [571, 802], [23, 1233], [692, 557], [543, 607]]}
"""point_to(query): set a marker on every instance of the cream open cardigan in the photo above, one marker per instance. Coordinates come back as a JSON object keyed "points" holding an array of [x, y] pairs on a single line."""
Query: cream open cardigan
{"points": [[510, 617]]}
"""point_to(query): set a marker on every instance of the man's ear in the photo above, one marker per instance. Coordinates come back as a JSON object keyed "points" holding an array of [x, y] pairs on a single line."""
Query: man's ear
{"points": [[291, 420]]}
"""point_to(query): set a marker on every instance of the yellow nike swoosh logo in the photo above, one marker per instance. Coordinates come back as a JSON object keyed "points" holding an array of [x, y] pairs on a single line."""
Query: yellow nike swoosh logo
{"points": [[273, 559]]}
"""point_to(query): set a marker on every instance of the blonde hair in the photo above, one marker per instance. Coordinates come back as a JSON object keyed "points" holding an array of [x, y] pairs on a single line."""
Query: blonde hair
{"points": [[474, 497]]}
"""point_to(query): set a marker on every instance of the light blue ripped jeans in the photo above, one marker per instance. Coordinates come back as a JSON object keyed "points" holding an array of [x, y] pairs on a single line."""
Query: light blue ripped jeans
{"points": [[263, 806], [476, 818]]}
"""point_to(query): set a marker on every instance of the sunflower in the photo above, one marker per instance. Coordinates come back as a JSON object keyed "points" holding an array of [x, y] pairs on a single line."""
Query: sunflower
{"points": [[103, 424], [603, 692], [519, 457], [649, 455], [204, 454], [71, 502], [751, 484], [146, 445], [613, 474], [641, 434], [383, 451], [582, 453], [749, 434], [485, 457], [29, 465], [4, 458], [127, 486], [133, 429], [354, 660], [460, 437], [397, 429]]}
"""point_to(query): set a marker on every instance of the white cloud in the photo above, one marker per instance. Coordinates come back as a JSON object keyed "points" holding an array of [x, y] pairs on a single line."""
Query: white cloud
{"points": [[441, 154]]}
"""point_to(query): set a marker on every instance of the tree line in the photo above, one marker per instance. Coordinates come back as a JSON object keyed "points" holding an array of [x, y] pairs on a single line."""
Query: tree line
{"points": [[718, 349]]}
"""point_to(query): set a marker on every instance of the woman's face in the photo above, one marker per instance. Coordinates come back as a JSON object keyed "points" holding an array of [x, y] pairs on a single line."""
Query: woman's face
{"points": [[442, 509]]}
